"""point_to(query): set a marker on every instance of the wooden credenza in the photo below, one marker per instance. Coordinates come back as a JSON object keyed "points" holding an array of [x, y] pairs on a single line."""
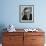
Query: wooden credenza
{"points": [[23, 39]]}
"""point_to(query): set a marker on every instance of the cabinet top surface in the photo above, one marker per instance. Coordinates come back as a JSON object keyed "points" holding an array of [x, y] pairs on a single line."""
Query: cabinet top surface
{"points": [[22, 30]]}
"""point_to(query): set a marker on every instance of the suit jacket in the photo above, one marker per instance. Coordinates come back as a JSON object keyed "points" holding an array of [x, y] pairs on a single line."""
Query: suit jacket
{"points": [[25, 17]]}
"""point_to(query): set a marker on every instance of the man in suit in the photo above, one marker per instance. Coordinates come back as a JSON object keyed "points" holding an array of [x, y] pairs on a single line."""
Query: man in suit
{"points": [[27, 14]]}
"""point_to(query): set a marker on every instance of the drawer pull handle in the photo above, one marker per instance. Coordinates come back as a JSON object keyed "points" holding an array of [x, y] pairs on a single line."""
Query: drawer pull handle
{"points": [[33, 39], [10, 38]]}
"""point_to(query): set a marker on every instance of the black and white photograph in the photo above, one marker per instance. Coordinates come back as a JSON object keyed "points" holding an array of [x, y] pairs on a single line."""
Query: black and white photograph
{"points": [[26, 13]]}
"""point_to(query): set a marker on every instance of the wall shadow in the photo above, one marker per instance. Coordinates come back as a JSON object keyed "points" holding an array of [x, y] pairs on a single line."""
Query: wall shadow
{"points": [[2, 29]]}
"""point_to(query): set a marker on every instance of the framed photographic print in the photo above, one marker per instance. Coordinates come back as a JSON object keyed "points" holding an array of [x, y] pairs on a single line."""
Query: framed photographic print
{"points": [[26, 13]]}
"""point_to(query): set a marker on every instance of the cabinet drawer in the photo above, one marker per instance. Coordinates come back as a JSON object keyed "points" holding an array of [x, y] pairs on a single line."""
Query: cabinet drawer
{"points": [[13, 33], [37, 39], [13, 44], [34, 33], [12, 39], [37, 44], [8, 44]]}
